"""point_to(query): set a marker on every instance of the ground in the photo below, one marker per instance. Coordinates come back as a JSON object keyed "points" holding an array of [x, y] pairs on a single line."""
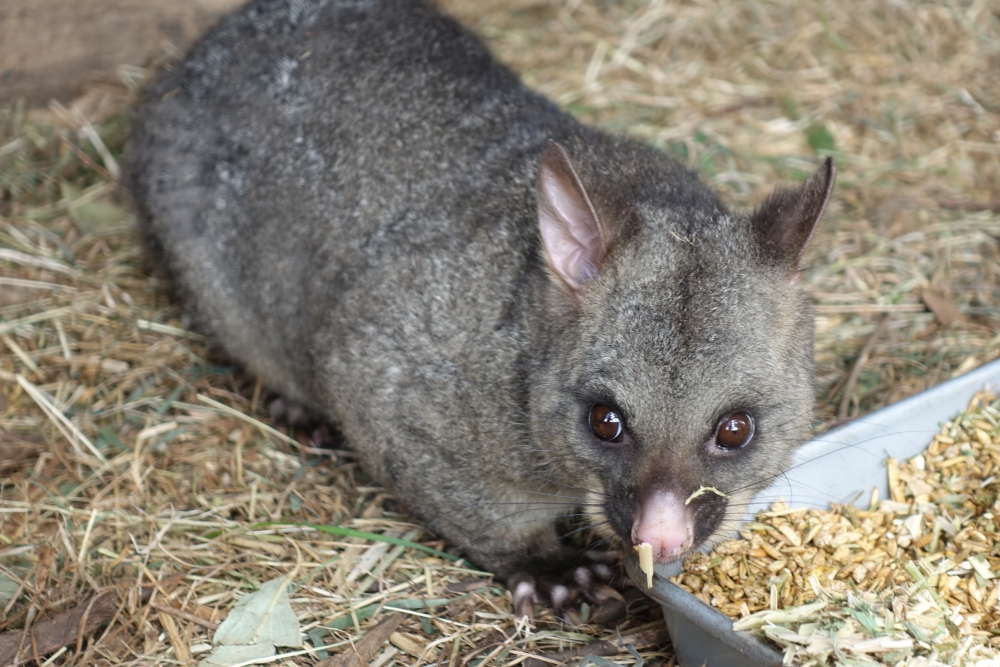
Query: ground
{"points": [[138, 472]]}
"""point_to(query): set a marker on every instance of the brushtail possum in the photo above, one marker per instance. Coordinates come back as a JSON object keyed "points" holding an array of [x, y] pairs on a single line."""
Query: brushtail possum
{"points": [[509, 315]]}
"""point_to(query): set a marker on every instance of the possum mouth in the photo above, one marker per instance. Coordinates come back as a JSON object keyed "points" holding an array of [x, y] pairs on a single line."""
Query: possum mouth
{"points": [[713, 519], [717, 519], [674, 526], [709, 519]]}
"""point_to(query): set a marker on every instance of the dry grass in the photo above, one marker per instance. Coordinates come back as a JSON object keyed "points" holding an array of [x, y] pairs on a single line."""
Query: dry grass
{"points": [[134, 462]]}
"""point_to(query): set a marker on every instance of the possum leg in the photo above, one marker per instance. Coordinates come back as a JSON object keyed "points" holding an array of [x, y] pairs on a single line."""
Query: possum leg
{"points": [[301, 418], [589, 581]]}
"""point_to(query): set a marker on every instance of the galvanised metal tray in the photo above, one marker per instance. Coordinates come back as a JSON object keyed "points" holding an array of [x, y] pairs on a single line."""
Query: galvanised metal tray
{"points": [[839, 466]]}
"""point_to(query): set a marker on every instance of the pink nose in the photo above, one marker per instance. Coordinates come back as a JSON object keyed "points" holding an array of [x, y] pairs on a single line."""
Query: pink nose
{"points": [[664, 522]]}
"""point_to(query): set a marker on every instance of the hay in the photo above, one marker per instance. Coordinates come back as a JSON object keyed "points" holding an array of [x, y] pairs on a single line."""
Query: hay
{"points": [[137, 471]]}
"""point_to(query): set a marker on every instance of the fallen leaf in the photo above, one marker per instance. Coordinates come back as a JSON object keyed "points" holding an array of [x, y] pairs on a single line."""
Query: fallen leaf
{"points": [[362, 652], [258, 624], [91, 215], [8, 589], [61, 630], [16, 453], [944, 310], [97, 215], [237, 655]]}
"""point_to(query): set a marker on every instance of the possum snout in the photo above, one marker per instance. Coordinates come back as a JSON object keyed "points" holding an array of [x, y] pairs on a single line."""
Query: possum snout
{"points": [[666, 523]]}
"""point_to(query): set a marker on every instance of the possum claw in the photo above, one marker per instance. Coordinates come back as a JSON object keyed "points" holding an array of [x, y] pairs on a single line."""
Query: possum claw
{"points": [[299, 419], [525, 595], [564, 594]]}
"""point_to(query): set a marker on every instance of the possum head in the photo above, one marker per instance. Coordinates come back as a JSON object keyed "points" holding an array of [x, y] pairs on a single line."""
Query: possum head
{"points": [[683, 381]]}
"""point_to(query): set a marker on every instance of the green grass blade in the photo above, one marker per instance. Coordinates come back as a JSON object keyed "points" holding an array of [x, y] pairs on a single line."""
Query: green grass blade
{"points": [[351, 532]]}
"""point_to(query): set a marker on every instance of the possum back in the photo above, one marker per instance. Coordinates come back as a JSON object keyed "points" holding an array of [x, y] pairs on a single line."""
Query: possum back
{"points": [[304, 146]]}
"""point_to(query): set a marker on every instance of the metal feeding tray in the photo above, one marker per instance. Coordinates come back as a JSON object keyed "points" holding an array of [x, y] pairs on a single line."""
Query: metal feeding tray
{"points": [[840, 466]]}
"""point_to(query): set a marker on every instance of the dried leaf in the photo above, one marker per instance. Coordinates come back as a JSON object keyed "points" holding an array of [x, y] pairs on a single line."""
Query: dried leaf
{"points": [[17, 452], [256, 626], [61, 630], [91, 214], [226, 656], [362, 652], [8, 589], [944, 310]]}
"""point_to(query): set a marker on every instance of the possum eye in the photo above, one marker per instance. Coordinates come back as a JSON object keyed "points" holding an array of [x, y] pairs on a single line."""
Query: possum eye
{"points": [[734, 430], [606, 424]]}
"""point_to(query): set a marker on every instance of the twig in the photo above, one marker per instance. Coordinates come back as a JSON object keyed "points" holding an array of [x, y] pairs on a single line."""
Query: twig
{"points": [[85, 158], [859, 364], [187, 616], [956, 205], [869, 308]]}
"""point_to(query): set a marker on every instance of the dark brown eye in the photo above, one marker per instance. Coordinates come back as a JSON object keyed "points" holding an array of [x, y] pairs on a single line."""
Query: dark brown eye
{"points": [[606, 424], [735, 431]]}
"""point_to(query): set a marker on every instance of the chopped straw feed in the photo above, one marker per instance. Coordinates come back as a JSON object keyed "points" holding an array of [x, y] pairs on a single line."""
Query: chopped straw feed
{"points": [[913, 580]]}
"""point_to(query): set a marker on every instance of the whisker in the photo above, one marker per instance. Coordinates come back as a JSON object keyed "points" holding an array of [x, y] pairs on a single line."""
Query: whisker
{"points": [[490, 527], [573, 488], [844, 447]]}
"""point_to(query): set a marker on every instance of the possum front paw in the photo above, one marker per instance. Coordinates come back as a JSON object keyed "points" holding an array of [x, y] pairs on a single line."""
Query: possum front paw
{"points": [[300, 418], [590, 582]]}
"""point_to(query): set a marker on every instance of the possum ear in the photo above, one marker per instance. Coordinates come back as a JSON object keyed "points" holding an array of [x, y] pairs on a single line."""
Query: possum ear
{"points": [[786, 220], [574, 240]]}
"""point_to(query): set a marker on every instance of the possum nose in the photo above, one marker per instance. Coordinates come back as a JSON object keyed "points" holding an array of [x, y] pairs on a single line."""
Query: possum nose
{"points": [[664, 522]]}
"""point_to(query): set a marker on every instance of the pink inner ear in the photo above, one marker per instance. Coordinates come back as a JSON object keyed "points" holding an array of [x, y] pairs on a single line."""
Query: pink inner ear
{"points": [[571, 231]]}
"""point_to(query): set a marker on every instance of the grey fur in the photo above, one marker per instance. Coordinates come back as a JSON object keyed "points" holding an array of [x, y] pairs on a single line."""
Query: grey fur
{"points": [[344, 194]]}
